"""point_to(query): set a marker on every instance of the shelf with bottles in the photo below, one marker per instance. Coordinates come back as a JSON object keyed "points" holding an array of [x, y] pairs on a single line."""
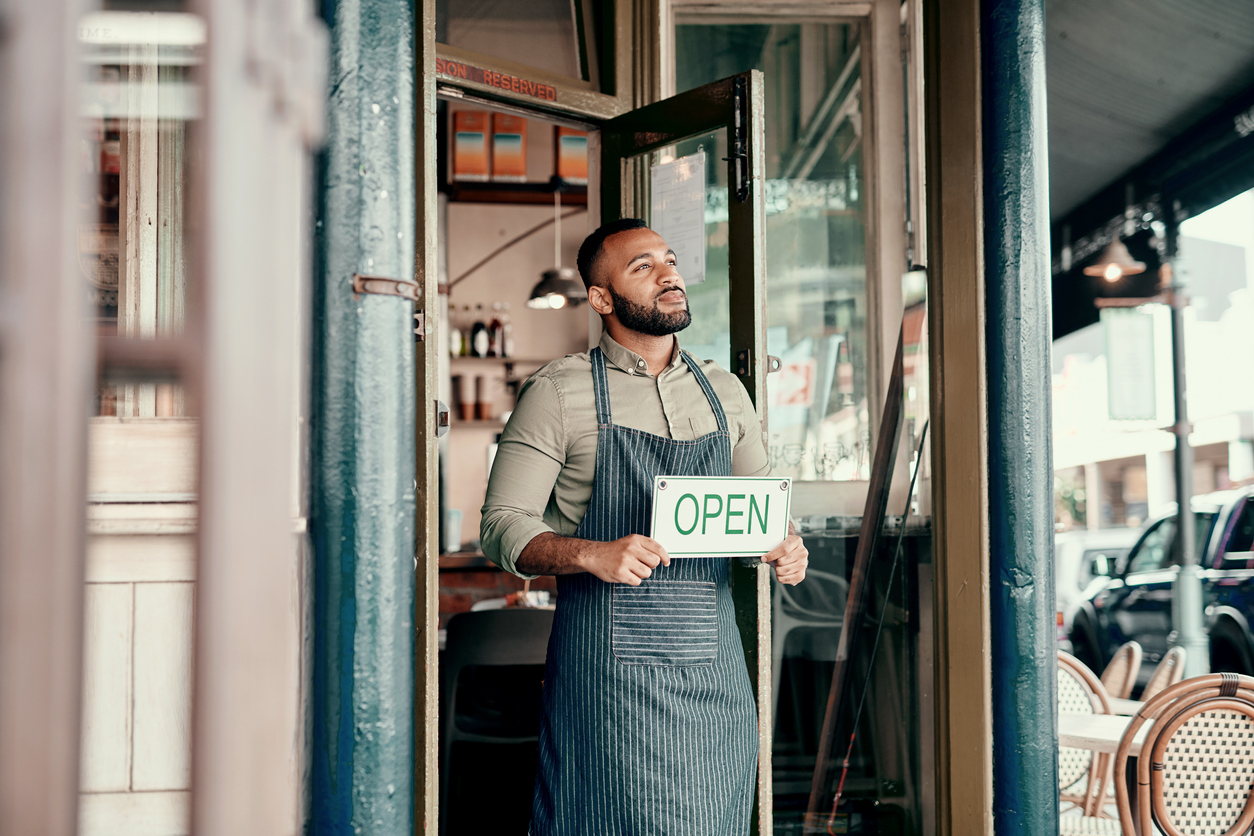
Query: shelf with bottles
{"points": [[481, 332]]}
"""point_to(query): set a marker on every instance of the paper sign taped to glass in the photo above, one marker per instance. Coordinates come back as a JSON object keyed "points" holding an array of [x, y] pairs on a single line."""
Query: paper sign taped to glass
{"points": [[724, 516]]}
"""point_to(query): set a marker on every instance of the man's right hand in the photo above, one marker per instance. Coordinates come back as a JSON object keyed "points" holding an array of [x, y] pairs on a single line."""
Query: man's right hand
{"points": [[627, 560]]}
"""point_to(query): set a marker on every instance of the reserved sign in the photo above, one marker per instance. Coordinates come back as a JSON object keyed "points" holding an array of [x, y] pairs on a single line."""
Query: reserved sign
{"points": [[725, 516]]}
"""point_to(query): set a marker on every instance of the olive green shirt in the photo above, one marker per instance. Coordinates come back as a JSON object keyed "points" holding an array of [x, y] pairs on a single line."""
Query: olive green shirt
{"points": [[542, 476]]}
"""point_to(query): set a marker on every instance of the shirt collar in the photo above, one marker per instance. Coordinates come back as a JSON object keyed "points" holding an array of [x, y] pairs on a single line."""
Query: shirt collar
{"points": [[628, 360]]}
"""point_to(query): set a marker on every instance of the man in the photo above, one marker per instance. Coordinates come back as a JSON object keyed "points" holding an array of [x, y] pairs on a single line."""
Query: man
{"points": [[649, 724]]}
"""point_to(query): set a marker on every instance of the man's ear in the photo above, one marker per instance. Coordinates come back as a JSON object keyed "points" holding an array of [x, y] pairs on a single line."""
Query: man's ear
{"points": [[600, 301]]}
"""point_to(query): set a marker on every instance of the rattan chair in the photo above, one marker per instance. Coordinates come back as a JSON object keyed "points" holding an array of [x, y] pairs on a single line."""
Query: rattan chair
{"points": [[1080, 770], [1195, 771], [1169, 671], [1120, 675]]}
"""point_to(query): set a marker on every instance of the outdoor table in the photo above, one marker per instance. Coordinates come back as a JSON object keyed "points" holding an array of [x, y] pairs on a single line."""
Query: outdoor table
{"points": [[1126, 707], [1098, 732]]}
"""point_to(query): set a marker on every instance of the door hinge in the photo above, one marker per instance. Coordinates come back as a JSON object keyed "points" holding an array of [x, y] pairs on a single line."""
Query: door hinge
{"points": [[383, 286], [739, 140], [744, 362]]}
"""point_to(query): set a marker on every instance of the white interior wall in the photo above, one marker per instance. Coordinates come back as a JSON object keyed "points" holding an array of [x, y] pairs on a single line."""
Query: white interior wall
{"points": [[474, 230]]}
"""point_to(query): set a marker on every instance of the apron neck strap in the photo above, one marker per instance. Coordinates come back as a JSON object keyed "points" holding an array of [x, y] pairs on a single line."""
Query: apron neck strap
{"points": [[694, 366], [600, 387]]}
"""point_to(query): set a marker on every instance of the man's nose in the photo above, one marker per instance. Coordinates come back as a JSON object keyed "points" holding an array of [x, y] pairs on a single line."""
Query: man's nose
{"points": [[670, 276]]}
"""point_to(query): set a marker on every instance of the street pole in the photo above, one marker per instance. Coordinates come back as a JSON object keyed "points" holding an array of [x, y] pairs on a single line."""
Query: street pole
{"points": [[1190, 631]]}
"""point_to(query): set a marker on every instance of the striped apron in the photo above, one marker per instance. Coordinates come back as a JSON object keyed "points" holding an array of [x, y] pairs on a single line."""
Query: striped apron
{"points": [[649, 722]]}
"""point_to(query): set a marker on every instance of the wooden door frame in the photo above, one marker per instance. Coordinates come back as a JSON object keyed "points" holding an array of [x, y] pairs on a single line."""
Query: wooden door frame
{"points": [[955, 251]]}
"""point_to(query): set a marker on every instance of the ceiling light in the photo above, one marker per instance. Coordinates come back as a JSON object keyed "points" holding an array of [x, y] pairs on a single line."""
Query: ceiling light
{"points": [[1115, 263]]}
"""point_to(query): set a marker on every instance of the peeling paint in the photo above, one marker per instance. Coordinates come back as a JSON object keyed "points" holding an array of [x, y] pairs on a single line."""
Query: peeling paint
{"points": [[1020, 486], [362, 434]]}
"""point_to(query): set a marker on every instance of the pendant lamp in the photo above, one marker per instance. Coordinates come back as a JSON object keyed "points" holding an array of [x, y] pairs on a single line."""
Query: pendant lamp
{"points": [[1115, 263], [558, 286]]}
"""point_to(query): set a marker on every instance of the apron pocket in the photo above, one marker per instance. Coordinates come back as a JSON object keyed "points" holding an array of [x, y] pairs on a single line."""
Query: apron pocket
{"points": [[666, 623]]}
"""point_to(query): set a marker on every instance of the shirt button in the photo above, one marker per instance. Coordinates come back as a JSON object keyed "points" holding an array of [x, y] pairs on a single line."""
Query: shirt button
{"points": [[640, 364]]}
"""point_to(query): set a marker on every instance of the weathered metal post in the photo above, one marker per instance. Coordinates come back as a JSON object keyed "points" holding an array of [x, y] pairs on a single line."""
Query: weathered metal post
{"points": [[1020, 480], [1187, 619], [363, 457]]}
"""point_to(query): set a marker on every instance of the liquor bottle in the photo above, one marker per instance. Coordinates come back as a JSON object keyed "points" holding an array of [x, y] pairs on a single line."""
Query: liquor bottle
{"points": [[496, 341], [507, 332], [467, 322], [479, 342], [454, 332]]}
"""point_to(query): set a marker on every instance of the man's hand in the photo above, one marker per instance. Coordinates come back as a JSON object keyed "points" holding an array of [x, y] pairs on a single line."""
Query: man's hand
{"points": [[628, 560], [790, 559]]}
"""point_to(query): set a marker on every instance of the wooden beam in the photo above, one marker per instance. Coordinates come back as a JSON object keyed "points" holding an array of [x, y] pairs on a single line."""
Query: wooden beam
{"points": [[964, 740]]}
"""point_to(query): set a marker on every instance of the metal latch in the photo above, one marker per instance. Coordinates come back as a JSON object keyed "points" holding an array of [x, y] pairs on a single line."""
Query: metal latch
{"points": [[383, 286], [441, 419]]}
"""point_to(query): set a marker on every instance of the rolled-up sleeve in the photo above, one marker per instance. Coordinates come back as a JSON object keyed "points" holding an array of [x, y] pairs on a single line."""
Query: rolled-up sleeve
{"points": [[528, 460]]}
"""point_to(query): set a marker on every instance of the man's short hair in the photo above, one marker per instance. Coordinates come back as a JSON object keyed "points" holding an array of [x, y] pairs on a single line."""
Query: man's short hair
{"points": [[592, 246]]}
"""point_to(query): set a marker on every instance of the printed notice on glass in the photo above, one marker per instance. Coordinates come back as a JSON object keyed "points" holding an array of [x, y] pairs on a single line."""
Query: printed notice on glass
{"points": [[724, 516], [677, 212]]}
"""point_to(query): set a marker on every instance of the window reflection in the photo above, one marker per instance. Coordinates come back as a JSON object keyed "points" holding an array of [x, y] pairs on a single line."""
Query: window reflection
{"points": [[815, 232]]}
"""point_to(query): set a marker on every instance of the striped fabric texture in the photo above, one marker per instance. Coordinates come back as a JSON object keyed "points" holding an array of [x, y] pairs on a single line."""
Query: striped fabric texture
{"points": [[649, 723]]}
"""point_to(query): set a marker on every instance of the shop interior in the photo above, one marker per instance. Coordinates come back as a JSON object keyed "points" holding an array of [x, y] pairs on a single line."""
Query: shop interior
{"points": [[513, 211]]}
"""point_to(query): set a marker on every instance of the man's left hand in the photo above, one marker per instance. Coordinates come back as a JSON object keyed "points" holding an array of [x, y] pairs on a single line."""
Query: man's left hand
{"points": [[790, 559]]}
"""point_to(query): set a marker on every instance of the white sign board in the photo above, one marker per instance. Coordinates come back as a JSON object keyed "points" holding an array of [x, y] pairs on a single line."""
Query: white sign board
{"points": [[724, 516], [1130, 369], [677, 212]]}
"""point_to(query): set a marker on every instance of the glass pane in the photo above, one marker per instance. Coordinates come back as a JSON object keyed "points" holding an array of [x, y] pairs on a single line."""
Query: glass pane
{"points": [[139, 96], [709, 335], [546, 34], [694, 169], [815, 233], [817, 413]]}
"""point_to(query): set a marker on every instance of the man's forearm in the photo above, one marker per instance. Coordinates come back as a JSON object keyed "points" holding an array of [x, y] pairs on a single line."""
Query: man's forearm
{"points": [[552, 554]]}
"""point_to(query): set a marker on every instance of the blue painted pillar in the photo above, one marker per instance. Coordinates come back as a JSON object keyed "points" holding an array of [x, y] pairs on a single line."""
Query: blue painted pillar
{"points": [[1020, 461], [362, 434]]}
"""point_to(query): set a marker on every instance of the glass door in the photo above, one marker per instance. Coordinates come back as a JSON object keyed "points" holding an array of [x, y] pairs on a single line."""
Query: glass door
{"points": [[692, 167]]}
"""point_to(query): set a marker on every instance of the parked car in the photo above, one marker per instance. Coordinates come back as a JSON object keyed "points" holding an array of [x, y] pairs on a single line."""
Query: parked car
{"points": [[1080, 558], [1136, 602]]}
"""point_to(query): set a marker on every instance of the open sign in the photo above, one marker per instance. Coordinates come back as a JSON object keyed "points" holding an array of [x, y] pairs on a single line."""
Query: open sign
{"points": [[726, 516]]}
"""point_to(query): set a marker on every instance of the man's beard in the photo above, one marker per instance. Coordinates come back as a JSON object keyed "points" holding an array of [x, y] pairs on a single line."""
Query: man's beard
{"points": [[648, 320]]}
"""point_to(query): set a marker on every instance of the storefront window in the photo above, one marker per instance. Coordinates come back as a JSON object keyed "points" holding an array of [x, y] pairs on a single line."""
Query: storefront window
{"points": [[556, 36], [815, 232], [817, 412]]}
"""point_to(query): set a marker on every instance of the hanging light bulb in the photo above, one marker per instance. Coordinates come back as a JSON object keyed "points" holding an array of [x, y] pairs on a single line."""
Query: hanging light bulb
{"points": [[558, 286], [1115, 263]]}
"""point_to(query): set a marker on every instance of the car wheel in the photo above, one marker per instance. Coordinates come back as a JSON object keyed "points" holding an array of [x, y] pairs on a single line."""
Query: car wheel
{"points": [[1229, 652]]}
